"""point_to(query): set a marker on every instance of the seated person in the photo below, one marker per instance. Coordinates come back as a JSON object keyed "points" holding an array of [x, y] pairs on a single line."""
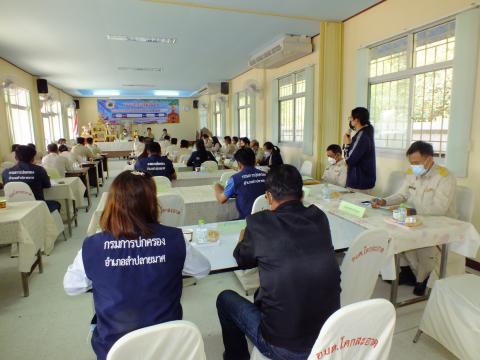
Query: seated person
{"points": [[38, 154], [63, 149], [124, 135], [11, 156], [299, 276], [172, 149], [216, 146], [200, 155], [149, 134], [33, 175], [62, 141], [430, 189], [155, 164], [164, 144], [184, 150], [259, 153], [336, 171], [244, 142], [235, 142], [96, 151], [229, 148], [133, 286], [54, 161], [164, 133], [208, 142], [247, 184], [271, 155], [80, 151], [138, 146]]}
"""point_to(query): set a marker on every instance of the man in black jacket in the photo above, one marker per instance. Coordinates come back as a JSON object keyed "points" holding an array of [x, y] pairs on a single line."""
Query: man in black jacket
{"points": [[299, 276]]}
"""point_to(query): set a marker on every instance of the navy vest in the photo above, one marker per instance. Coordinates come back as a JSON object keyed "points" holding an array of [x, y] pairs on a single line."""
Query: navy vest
{"points": [[156, 166], [248, 184], [136, 283]]}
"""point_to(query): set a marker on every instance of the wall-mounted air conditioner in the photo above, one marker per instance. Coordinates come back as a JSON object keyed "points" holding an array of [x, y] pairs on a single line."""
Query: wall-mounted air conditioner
{"points": [[282, 51], [208, 89]]}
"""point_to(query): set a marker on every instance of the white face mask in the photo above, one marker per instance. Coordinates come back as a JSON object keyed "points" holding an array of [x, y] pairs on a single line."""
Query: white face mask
{"points": [[331, 161], [418, 170], [267, 153]]}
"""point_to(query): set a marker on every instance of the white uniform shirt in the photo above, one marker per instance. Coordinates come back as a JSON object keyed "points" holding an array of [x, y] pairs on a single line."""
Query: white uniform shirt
{"points": [[430, 194], [55, 161], [75, 281], [336, 174], [68, 155], [229, 150], [138, 148], [95, 149], [81, 151], [181, 152]]}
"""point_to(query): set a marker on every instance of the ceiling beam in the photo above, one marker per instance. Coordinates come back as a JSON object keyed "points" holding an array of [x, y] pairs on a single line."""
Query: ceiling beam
{"points": [[235, 10]]}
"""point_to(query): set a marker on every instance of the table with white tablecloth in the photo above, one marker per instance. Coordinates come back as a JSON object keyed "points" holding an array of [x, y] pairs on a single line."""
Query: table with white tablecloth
{"points": [[200, 203], [30, 225], [193, 178], [116, 148], [66, 190]]}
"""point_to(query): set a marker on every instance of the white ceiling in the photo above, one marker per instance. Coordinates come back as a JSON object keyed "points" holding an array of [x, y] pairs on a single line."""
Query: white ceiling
{"points": [[65, 41]]}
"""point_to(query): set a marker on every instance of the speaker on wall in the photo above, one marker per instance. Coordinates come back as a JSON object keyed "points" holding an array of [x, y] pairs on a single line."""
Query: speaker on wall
{"points": [[42, 86], [195, 104], [77, 104], [224, 88]]}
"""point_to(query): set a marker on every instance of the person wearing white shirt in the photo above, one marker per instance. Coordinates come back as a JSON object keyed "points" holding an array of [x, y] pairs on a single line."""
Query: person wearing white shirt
{"points": [[134, 265], [164, 144], [172, 150], [63, 149], [139, 146], [336, 171], [259, 153], [54, 161], [184, 151], [94, 148], [229, 149], [80, 151]]}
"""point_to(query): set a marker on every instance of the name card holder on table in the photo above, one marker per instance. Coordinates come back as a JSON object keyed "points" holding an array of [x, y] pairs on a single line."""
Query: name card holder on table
{"points": [[352, 209]]}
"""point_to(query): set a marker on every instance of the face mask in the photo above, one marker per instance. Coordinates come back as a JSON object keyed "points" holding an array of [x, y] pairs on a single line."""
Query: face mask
{"points": [[331, 161], [267, 153], [418, 170]]}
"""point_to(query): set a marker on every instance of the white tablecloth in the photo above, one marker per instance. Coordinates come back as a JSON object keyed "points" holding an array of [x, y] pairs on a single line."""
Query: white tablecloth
{"points": [[435, 230], [115, 146], [193, 178], [29, 224], [200, 203], [72, 188]]}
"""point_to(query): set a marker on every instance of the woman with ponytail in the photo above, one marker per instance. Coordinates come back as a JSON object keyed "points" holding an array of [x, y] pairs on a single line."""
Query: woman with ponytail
{"points": [[272, 156]]}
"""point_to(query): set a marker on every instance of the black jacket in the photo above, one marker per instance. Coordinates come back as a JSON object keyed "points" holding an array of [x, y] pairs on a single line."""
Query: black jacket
{"points": [[299, 275], [360, 158], [199, 157]]}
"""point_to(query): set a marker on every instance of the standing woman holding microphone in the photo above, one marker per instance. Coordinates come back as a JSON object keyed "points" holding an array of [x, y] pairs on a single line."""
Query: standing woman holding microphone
{"points": [[360, 152]]}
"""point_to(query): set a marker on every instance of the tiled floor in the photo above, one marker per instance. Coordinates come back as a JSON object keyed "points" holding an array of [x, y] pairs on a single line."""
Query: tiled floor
{"points": [[50, 325]]}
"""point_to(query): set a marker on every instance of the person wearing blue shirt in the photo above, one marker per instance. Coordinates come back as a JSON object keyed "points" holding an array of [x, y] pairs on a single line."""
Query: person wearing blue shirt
{"points": [[155, 164], [246, 185], [360, 152], [33, 175], [134, 265], [200, 155]]}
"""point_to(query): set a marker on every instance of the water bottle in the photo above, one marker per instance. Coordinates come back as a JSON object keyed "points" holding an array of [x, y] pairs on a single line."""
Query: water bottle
{"points": [[325, 192], [202, 232]]}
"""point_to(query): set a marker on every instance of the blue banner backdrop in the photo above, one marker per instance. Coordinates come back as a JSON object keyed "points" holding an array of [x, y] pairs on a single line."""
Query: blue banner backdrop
{"points": [[148, 111]]}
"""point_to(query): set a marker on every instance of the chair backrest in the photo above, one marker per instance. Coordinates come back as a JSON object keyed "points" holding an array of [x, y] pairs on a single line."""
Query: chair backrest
{"points": [[362, 264], [210, 166], [225, 176], [395, 181], [18, 191], [171, 340], [306, 168], [184, 158], [52, 173], [162, 182], [172, 209], [465, 202], [363, 330], [260, 204]]}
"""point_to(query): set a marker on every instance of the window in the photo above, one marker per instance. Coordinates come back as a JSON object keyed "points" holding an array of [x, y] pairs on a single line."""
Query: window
{"points": [[244, 108], [291, 102], [410, 86], [72, 125], [203, 116], [19, 115], [51, 112], [217, 118]]}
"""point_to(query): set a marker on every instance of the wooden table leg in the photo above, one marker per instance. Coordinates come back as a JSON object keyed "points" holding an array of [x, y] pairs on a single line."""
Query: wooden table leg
{"points": [[69, 219], [75, 213], [89, 199], [26, 275]]}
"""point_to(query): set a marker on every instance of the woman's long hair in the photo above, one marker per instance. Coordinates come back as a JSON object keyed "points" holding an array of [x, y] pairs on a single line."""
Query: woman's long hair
{"points": [[215, 141], [131, 206], [200, 145], [269, 146]]}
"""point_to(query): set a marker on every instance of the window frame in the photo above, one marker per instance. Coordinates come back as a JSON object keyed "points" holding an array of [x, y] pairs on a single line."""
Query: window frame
{"points": [[248, 108], [9, 106], [217, 118], [294, 96], [409, 73], [49, 116]]}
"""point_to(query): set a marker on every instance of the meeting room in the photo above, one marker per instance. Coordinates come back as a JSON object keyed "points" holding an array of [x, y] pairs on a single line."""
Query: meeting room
{"points": [[239, 180]]}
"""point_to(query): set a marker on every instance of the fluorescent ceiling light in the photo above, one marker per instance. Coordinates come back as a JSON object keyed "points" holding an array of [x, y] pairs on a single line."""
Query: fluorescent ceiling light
{"points": [[172, 93], [106, 92], [143, 39], [139, 85], [131, 68]]}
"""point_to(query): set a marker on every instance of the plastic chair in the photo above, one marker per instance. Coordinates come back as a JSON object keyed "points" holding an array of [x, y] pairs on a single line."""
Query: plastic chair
{"points": [[249, 279], [363, 330], [172, 209], [20, 191], [395, 182], [465, 203], [210, 166], [162, 182], [362, 264], [171, 340], [52, 173], [226, 176], [306, 168], [452, 315]]}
